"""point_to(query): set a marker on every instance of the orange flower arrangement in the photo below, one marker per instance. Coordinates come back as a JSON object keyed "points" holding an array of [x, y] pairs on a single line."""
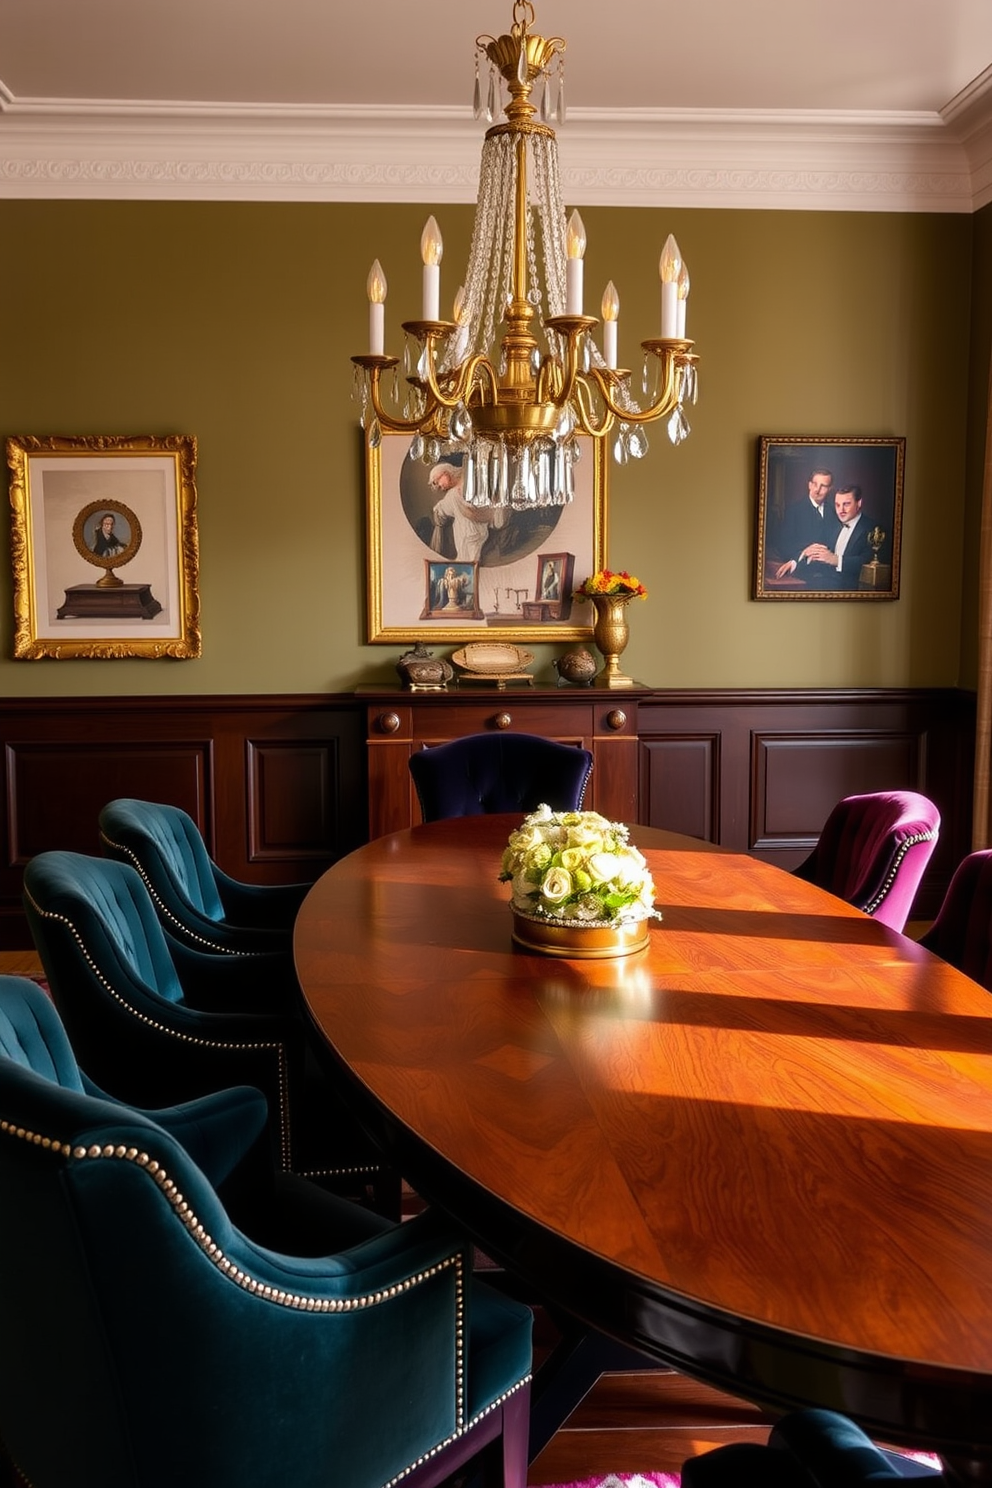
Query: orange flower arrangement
{"points": [[605, 581]]}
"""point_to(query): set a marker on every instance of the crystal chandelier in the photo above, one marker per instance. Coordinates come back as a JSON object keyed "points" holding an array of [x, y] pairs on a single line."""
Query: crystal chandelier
{"points": [[513, 410]]}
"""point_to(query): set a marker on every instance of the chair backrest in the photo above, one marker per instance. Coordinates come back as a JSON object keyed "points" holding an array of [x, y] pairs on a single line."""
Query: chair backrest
{"points": [[482, 774], [873, 850], [165, 845], [31, 1033], [962, 932]]}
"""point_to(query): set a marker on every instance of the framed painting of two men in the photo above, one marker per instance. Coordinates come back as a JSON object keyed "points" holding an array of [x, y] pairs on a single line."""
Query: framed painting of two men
{"points": [[829, 518]]}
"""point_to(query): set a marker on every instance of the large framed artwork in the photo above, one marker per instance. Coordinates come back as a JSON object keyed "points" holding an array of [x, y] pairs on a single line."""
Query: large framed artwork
{"points": [[829, 518], [443, 570], [104, 546]]}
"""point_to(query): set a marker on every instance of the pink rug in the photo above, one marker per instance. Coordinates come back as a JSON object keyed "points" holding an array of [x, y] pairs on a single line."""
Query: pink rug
{"points": [[625, 1480]]}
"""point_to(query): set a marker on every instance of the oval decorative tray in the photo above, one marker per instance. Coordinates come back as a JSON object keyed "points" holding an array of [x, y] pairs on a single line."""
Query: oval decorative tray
{"points": [[491, 659]]}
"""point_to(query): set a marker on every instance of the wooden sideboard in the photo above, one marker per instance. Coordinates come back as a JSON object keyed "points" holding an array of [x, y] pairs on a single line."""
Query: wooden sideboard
{"points": [[399, 722]]}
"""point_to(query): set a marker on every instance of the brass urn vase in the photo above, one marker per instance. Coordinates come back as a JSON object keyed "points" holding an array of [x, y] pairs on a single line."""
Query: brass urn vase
{"points": [[611, 634]]}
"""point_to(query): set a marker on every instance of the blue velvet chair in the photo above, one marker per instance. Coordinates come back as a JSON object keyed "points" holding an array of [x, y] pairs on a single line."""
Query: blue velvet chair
{"points": [[483, 774], [154, 1022], [148, 1342], [962, 931], [196, 901], [807, 1449], [873, 851]]}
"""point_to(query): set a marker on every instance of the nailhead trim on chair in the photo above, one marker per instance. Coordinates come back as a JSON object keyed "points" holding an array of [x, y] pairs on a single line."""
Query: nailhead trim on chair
{"points": [[891, 875], [297, 1301], [285, 1136], [184, 929]]}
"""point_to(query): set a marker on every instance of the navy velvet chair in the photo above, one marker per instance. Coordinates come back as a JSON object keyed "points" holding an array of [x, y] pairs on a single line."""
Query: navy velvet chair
{"points": [[807, 1449], [483, 774], [147, 1341], [154, 1022], [873, 850], [962, 931], [196, 901]]}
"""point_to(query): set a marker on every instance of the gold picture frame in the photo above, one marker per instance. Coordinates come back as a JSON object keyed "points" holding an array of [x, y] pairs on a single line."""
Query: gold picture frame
{"points": [[809, 487], [88, 505], [405, 532]]}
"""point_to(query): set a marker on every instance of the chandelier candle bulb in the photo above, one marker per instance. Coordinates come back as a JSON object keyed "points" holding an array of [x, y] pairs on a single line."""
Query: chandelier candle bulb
{"points": [[431, 251], [683, 287], [575, 247], [376, 286], [611, 313], [669, 269]]}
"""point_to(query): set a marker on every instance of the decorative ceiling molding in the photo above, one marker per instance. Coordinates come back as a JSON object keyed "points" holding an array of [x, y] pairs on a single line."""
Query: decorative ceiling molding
{"points": [[778, 160]]}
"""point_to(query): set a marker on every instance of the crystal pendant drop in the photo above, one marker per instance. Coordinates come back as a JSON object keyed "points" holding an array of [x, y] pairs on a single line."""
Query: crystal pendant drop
{"points": [[523, 70], [637, 443], [477, 92], [433, 450], [407, 357], [560, 108], [546, 109], [461, 422], [417, 447], [620, 449], [491, 98], [375, 434]]}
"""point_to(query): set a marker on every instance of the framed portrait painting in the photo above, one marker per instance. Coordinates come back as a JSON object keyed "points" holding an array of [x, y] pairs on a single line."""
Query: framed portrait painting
{"points": [[419, 527], [829, 518], [104, 546]]}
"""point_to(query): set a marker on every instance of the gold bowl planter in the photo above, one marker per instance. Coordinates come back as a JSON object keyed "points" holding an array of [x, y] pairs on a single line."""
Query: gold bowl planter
{"points": [[578, 941]]}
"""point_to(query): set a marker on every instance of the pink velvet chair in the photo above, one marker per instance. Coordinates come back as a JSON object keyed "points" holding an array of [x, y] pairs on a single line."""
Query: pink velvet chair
{"points": [[873, 851], [962, 931]]}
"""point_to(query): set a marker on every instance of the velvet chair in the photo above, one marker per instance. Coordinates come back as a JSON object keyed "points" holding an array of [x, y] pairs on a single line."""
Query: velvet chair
{"points": [[196, 901], [807, 1449], [962, 931], [154, 1022], [873, 851], [148, 1342], [483, 774]]}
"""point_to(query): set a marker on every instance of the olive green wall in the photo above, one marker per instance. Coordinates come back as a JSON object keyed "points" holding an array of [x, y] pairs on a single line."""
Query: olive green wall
{"points": [[235, 322]]}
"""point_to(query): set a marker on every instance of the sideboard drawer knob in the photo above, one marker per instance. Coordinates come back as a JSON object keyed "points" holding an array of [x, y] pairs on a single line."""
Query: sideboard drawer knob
{"points": [[502, 720], [388, 722], [616, 719]]}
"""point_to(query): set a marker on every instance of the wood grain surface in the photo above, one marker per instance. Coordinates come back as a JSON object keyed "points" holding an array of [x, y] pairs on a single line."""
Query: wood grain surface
{"points": [[760, 1150]]}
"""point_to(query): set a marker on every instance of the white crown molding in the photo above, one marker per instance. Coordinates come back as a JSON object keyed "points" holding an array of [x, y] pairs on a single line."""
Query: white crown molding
{"points": [[796, 160]]}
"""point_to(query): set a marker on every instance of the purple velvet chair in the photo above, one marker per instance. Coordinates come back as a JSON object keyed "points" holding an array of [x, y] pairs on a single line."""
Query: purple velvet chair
{"points": [[485, 773], [873, 850], [962, 932]]}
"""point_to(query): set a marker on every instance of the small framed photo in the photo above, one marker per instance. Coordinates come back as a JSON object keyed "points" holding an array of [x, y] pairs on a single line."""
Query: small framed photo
{"points": [[104, 546], [554, 583], [829, 518], [452, 591]]}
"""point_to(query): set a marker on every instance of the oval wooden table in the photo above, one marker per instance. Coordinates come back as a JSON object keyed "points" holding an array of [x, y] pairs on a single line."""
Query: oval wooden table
{"points": [[760, 1151]]}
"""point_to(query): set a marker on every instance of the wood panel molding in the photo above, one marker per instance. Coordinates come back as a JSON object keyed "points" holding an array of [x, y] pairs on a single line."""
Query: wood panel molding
{"points": [[281, 786]]}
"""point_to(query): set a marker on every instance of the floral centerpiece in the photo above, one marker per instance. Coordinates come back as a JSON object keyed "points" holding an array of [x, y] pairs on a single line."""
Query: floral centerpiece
{"points": [[607, 583], [578, 885]]}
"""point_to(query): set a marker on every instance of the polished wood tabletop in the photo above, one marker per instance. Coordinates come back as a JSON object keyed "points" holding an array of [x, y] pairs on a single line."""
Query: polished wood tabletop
{"points": [[760, 1150]]}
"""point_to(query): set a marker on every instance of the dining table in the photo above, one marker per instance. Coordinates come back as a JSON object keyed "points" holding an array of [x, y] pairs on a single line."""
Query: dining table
{"points": [[758, 1151]]}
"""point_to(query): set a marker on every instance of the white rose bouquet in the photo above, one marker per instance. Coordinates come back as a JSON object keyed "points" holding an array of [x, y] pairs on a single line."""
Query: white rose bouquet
{"points": [[574, 867]]}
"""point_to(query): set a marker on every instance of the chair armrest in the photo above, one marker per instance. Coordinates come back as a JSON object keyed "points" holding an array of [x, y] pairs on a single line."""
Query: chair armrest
{"points": [[271, 907]]}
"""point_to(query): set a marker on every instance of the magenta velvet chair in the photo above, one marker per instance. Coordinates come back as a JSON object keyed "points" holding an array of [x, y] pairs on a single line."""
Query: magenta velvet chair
{"points": [[962, 932], [873, 851]]}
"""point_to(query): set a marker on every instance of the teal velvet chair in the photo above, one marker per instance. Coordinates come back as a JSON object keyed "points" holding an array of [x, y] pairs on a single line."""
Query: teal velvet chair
{"points": [[154, 1022], [196, 901], [806, 1449], [148, 1342]]}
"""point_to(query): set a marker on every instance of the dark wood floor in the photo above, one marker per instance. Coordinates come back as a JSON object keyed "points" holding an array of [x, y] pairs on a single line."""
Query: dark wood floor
{"points": [[644, 1423]]}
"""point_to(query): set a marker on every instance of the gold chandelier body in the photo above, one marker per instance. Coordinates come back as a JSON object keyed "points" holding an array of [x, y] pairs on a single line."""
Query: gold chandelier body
{"points": [[533, 394]]}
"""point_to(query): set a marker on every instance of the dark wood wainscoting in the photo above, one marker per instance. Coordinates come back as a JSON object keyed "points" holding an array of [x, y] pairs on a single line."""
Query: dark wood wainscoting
{"points": [[275, 784], [280, 788], [759, 772]]}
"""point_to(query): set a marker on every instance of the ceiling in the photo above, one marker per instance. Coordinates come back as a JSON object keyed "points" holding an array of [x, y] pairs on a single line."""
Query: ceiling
{"points": [[233, 97]]}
